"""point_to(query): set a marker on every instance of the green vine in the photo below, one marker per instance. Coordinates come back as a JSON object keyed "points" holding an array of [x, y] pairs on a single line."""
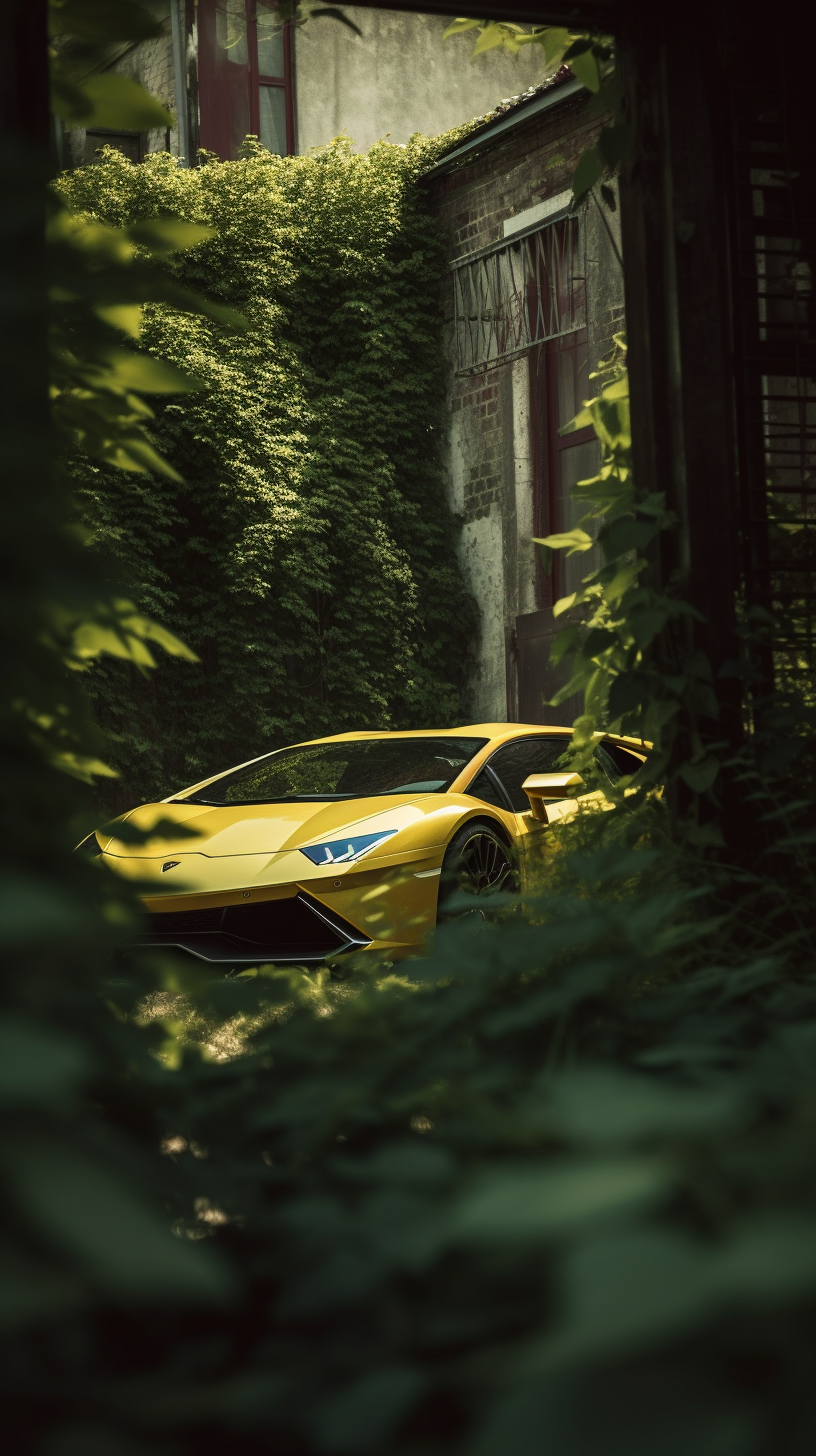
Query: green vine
{"points": [[627, 651], [302, 547]]}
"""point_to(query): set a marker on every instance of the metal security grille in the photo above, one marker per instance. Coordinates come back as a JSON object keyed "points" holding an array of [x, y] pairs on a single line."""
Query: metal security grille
{"points": [[774, 215], [519, 293]]}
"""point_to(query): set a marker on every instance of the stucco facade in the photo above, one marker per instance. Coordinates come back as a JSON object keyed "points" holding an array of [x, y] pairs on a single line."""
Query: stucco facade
{"points": [[398, 77]]}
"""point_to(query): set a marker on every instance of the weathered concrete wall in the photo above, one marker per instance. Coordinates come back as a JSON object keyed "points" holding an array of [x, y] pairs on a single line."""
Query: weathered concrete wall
{"points": [[400, 77], [491, 466]]}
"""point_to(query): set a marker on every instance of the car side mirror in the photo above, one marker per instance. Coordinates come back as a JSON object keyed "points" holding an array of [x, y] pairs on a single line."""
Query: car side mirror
{"points": [[540, 788]]}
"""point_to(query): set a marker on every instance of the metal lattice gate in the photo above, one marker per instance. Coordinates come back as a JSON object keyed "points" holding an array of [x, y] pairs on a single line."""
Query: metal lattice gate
{"points": [[774, 211]]}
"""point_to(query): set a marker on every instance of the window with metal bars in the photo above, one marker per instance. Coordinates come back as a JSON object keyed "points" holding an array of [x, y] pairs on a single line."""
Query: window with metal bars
{"points": [[520, 292], [245, 76], [773, 233]]}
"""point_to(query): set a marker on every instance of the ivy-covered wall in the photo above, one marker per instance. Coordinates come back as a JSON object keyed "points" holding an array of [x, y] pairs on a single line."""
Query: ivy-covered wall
{"points": [[308, 555]]}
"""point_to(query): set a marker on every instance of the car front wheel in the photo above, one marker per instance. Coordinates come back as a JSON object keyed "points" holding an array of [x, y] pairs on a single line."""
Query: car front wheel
{"points": [[477, 862]]}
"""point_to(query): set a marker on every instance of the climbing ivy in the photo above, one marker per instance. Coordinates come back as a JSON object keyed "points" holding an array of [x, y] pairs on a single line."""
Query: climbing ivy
{"points": [[306, 554], [626, 647]]}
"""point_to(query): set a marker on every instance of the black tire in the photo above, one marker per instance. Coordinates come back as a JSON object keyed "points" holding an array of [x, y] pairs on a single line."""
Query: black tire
{"points": [[477, 862]]}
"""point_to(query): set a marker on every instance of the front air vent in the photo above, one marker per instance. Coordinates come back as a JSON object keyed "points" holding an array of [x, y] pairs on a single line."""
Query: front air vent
{"points": [[295, 929]]}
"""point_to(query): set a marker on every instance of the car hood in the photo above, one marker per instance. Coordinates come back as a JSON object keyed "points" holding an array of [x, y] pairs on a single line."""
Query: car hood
{"points": [[256, 828]]}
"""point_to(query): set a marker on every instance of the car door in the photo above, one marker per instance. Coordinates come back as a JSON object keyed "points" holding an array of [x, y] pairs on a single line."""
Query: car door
{"points": [[500, 781]]}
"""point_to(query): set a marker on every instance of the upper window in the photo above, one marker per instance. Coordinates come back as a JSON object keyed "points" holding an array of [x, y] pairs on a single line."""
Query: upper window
{"points": [[244, 76], [355, 768], [519, 292]]}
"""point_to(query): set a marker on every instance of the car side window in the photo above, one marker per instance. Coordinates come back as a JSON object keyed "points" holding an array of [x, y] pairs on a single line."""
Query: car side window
{"points": [[516, 761], [616, 761], [484, 787]]}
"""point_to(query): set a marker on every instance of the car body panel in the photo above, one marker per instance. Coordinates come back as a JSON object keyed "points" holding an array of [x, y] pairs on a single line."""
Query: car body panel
{"points": [[245, 859]]}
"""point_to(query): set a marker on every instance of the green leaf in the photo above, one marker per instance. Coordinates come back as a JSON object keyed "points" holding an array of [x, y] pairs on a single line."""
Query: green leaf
{"points": [[569, 541], [645, 623], [364, 1415], [33, 913], [590, 168], [458, 27], [81, 1205], [629, 692], [698, 664], [166, 235], [125, 316], [38, 1065], [615, 145], [608, 197], [700, 776], [585, 68], [625, 534], [113, 101], [581, 421], [134, 452], [129, 370], [491, 36], [99, 21], [535, 1203], [603, 1106], [581, 46]]}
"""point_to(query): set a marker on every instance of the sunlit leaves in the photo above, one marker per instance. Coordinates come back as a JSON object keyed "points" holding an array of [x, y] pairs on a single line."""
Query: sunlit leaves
{"points": [[620, 653], [101, 278], [120, 631], [569, 541]]}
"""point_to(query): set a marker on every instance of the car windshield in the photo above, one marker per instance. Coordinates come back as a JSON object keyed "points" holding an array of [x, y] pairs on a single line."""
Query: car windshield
{"points": [[356, 769]]}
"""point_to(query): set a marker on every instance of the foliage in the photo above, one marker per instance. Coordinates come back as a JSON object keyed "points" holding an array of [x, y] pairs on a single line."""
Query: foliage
{"points": [[307, 555], [494, 1200], [591, 58], [628, 652], [550, 1188], [82, 1220], [84, 36]]}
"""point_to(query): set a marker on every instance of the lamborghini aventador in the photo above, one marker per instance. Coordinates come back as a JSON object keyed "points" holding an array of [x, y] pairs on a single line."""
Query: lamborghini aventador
{"points": [[347, 843]]}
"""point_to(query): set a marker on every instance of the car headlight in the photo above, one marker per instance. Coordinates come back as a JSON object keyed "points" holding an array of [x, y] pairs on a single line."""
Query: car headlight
{"points": [[353, 847]]}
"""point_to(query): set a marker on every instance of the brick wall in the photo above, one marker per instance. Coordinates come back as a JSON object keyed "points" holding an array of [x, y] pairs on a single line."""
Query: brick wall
{"points": [[534, 162], [490, 449], [151, 63]]}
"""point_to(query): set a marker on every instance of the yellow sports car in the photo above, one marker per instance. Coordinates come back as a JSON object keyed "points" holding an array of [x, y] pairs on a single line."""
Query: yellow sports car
{"points": [[343, 843]]}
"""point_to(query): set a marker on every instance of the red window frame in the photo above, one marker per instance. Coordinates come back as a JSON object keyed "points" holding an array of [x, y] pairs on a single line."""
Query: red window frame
{"points": [[227, 90], [547, 452]]}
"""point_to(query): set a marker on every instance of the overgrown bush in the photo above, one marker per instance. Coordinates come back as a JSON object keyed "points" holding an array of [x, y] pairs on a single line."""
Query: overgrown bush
{"points": [[308, 555]]}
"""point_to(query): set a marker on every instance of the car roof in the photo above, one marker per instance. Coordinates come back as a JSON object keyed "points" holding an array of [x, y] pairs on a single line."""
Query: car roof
{"points": [[468, 730], [477, 730]]}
